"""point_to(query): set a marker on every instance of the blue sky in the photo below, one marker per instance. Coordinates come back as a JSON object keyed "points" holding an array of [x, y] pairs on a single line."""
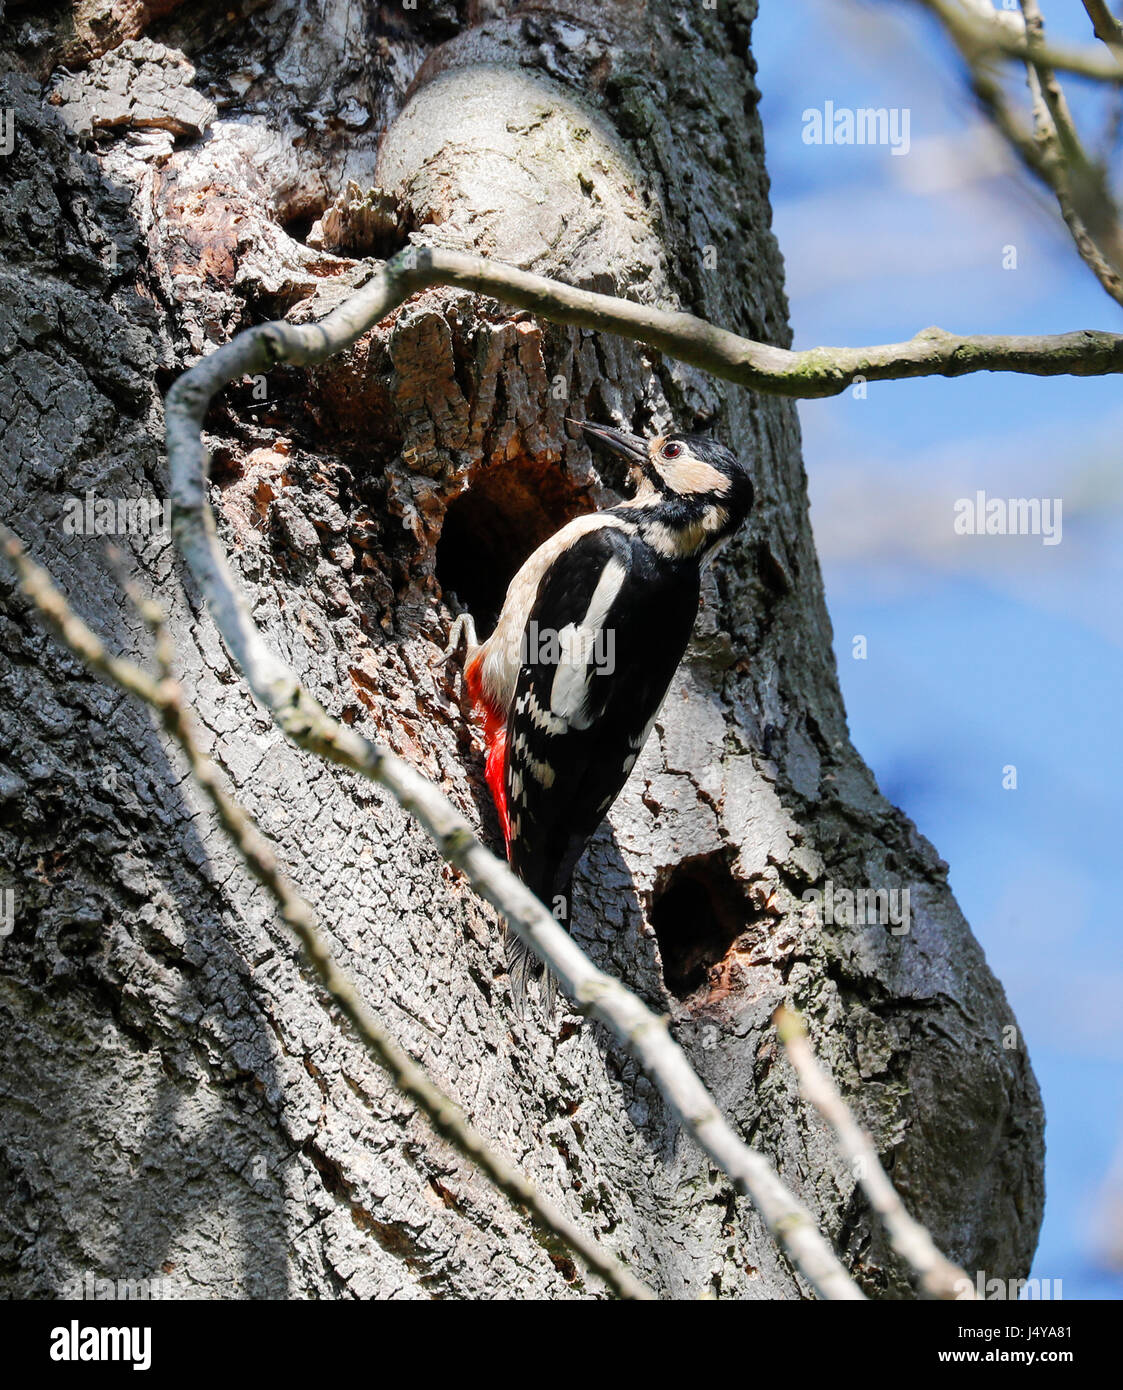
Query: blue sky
{"points": [[983, 651]]}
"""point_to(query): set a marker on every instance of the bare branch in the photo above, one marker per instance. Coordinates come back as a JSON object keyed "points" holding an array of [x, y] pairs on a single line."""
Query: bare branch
{"points": [[813, 372], [983, 36], [909, 1238], [308, 724], [1105, 26], [166, 698]]}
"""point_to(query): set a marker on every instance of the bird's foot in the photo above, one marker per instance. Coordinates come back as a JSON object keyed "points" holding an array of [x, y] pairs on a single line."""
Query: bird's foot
{"points": [[463, 624]]}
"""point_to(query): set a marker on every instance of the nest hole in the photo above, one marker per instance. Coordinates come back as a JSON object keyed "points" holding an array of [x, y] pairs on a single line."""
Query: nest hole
{"points": [[299, 223], [697, 914], [507, 511]]}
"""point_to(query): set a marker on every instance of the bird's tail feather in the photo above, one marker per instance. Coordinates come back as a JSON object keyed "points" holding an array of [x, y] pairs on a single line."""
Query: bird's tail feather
{"points": [[520, 964], [523, 966]]}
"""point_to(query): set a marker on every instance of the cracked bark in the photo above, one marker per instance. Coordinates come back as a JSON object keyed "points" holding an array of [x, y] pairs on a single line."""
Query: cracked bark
{"points": [[177, 1099]]}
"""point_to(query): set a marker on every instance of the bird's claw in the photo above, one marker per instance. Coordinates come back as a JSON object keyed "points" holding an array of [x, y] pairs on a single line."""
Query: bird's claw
{"points": [[461, 624]]}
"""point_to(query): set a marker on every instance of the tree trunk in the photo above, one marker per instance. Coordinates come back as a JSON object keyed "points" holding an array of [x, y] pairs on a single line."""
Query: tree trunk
{"points": [[178, 1101]]}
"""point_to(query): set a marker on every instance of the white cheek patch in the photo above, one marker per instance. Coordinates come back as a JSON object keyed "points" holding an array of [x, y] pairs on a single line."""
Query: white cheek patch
{"points": [[570, 691], [690, 475]]}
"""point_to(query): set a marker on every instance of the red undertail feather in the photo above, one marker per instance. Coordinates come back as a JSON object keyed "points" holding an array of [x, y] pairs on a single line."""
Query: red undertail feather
{"points": [[495, 737]]}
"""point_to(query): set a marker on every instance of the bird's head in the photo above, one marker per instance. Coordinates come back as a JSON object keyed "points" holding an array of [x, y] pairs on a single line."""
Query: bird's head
{"points": [[690, 482]]}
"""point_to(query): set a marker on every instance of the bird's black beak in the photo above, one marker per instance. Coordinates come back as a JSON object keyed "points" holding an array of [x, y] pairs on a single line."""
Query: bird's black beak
{"points": [[630, 447]]}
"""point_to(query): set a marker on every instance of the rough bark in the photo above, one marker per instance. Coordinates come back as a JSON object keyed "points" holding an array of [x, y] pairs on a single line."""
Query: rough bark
{"points": [[177, 1099]]}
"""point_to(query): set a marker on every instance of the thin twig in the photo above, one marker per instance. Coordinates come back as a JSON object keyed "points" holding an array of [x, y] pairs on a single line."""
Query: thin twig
{"points": [[166, 698], [938, 1275], [1079, 182], [1050, 87], [307, 723], [1059, 164]]}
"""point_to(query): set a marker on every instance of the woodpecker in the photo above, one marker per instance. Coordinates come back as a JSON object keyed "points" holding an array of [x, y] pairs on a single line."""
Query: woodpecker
{"points": [[590, 635]]}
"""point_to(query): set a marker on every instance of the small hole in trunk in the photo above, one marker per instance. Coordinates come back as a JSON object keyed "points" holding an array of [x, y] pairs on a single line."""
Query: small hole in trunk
{"points": [[697, 914]]}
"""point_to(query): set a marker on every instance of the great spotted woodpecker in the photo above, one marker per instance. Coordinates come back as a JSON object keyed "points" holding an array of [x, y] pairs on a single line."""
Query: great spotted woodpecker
{"points": [[591, 632]]}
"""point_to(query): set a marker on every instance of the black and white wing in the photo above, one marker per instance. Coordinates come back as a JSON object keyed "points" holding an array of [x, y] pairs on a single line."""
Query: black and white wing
{"points": [[607, 631]]}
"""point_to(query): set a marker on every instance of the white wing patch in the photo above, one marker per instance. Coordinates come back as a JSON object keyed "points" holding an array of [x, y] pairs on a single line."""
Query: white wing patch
{"points": [[503, 649], [569, 693]]}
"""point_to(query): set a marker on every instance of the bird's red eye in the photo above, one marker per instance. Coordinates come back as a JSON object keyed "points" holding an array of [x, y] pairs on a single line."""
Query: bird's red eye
{"points": [[672, 451]]}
